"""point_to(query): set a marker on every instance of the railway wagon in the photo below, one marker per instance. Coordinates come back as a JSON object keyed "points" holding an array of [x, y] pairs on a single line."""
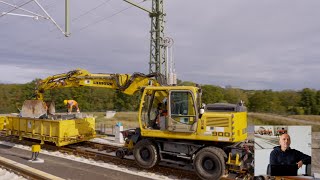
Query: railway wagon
{"points": [[60, 132], [2, 122]]}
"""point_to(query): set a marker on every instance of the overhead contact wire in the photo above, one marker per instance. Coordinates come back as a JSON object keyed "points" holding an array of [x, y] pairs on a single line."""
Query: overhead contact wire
{"points": [[87, 12], [15, 8], [105, 18]]}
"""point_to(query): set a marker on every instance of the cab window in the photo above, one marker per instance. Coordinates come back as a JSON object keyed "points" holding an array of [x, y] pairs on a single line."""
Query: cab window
{"points": [[182, 108]]}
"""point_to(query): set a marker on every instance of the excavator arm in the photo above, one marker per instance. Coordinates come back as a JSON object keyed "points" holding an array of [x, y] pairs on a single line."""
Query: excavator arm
{"points": [[126, 83]]}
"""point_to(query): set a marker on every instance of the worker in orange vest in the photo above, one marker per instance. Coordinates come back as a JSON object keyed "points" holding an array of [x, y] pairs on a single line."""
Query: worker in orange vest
{"points": [[70, 104]]}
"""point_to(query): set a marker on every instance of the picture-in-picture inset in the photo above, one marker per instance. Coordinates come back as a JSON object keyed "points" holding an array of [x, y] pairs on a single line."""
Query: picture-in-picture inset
{"points": [[282, 150]]}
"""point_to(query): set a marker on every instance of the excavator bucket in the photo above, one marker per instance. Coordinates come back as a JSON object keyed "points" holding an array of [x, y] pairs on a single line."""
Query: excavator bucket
{"points": [[51, 108], [33, 108]]}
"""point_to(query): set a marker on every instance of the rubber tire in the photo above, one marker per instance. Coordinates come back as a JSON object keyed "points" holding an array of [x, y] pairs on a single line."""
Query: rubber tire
{"points": [[213, 157], [145, 154], [259, 178]]}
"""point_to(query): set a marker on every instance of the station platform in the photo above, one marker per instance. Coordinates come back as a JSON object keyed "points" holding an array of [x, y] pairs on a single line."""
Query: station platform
{"points": [[65, 168]]}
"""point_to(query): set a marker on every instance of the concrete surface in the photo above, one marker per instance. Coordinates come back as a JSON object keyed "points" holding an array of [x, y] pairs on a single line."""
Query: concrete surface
{"points": [[65, 168]]}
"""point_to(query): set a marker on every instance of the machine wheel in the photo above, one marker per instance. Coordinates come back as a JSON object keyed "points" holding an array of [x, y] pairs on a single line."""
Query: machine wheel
{"points": [[259, 178], [209, 163], [120, 153], [145, 154]]}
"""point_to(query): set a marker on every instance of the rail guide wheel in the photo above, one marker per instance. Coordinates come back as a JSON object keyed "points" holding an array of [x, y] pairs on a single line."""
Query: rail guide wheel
{"points": [[121, 153]]}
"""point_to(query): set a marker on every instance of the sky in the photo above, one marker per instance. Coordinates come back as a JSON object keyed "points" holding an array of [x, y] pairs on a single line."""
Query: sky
{"points": [[247, 44]]}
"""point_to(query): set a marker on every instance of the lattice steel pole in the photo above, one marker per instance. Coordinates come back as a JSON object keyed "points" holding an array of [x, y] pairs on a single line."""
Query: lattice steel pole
{"points": [[157, 62], [157, 49]]}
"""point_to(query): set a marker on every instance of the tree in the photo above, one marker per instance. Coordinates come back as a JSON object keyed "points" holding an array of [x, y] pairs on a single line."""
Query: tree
{"points": [[290, 100], [187, 83], [265, 101], [124, 102], [211, 94], [234, 95], [308, 101]]}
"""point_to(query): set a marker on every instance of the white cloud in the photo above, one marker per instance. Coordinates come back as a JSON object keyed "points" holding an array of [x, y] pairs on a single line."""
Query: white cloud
{"points": [[21, 74], [250, 44]]}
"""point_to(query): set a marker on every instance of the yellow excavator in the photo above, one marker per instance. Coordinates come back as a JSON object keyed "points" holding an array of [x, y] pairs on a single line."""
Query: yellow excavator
{"points": [[174, 125], [125, 83]]}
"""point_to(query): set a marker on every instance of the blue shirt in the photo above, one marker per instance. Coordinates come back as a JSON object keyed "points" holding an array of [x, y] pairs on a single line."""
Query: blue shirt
{"points": [[288, 157]]}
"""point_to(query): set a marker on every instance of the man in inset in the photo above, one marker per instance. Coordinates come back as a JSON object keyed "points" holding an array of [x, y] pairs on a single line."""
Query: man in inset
{"points": [[284, 155]]}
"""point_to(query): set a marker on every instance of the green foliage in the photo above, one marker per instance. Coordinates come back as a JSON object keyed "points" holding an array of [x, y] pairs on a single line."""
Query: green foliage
{"points": [[304, 102], [211, 94], [12, 97], [290, 100], [265, 101], [124, 102], [186, 83], [308, 101], [235, 95], [89, 99]]}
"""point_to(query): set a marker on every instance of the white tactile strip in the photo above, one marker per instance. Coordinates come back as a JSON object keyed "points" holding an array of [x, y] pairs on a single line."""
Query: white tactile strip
{"points": [[94, 163], [7, 175]]}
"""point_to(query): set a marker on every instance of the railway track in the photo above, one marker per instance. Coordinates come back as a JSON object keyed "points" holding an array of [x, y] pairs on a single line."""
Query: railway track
{"points": [[260, 146], [106, 153], [265, 142]]}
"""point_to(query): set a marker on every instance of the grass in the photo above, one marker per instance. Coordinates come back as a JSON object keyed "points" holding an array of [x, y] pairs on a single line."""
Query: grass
{"points": [[128, 119], [260, 119], [314, 118]]}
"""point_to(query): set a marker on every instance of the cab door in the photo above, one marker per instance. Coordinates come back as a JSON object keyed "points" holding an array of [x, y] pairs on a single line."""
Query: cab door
{"points": [[183, 115], [154, 109]]}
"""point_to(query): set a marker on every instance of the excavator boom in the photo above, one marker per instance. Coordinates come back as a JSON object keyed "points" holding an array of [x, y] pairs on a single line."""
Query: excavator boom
{"points": [[126, 83]]}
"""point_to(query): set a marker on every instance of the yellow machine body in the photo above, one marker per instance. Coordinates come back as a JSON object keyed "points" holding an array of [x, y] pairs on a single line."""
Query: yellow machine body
{"points": [[2, 122], [187, 124], [60, 132]]}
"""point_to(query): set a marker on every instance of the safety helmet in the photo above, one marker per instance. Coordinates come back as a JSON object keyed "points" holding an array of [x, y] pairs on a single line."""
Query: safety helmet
{"points": [[65, 102]]}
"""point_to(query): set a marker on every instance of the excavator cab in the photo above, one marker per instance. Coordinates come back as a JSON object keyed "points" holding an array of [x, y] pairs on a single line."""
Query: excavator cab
{"points": [[169, 109], [183, 111]]}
